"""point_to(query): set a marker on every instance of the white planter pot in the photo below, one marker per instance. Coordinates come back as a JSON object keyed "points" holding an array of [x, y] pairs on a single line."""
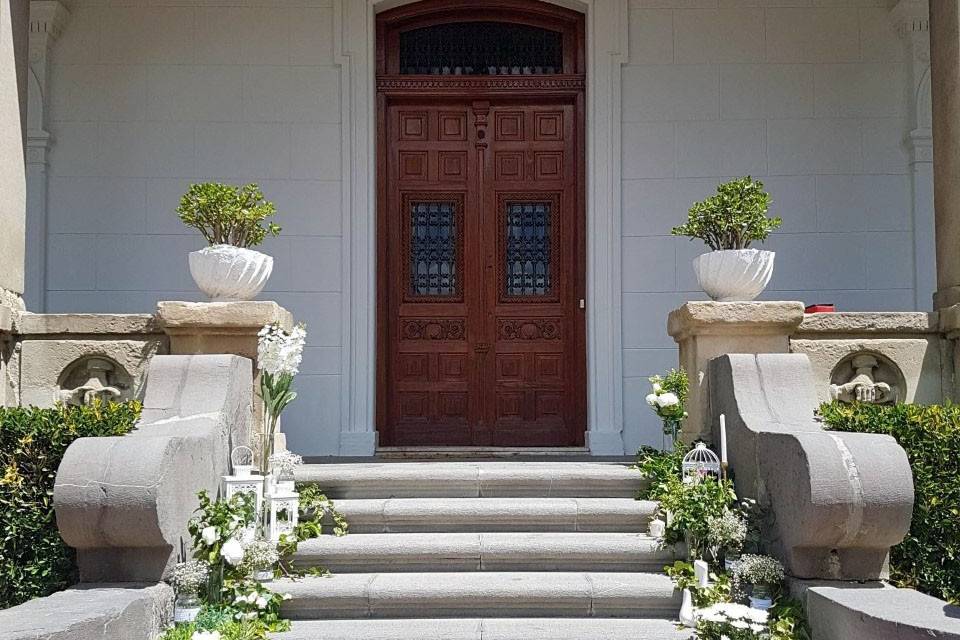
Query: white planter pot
{"points": [[225, 272], [735, 275]]}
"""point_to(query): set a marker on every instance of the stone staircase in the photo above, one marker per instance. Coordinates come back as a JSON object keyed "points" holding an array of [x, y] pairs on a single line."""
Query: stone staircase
{"points": [[483, 550]]}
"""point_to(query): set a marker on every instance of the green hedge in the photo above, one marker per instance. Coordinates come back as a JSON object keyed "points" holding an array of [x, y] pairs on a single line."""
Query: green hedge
{"points": [[34, 561], [929, 558]]}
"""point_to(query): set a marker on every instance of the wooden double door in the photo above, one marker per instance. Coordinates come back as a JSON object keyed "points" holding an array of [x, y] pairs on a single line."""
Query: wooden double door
{"points": [[482, 272]]}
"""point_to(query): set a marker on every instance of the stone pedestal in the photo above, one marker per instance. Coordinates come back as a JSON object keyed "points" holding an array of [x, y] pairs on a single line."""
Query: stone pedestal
{"points": [[705, 330], [224, 327]]}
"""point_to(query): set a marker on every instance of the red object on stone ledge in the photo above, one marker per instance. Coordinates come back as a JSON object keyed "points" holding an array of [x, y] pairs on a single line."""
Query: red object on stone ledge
{"points": [[820, 308]]}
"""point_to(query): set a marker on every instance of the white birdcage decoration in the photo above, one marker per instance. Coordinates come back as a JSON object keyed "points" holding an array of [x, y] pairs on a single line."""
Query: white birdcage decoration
{"points": [[284, 507], [241, 459], [700, 462]]}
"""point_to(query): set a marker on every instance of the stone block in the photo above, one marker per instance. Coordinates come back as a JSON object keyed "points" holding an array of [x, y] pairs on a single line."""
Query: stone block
{"points": [[92, 612], [706, 330], [838, 501], [223, 327], [908, 347], [869, 612], [49, 367], [124, 502]]}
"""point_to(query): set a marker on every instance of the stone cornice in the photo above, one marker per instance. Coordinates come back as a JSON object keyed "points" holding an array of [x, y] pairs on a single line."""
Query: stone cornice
{"points": [[911, 17], [47, 20]]}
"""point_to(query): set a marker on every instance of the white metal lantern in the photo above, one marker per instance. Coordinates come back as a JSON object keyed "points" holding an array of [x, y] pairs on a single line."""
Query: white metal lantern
{"points": [[284, 513], [241, 459], [699, 462], [253, 485]]}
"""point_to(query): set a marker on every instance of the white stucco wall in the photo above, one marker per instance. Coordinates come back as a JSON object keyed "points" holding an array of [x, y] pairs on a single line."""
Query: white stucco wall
{"points": [[812, 100], [145, 99]]}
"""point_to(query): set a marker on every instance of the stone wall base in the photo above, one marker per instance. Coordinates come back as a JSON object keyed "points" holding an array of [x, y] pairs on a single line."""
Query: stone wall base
{"points": [[122, 611]]}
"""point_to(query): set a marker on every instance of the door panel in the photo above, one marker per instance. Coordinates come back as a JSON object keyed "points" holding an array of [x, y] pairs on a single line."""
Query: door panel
{"points": [[483, 269]]}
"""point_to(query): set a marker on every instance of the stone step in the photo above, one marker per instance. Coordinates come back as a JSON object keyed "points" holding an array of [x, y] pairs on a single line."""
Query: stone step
{"points": [[487, 629], [479, 594], [543, 551], [473, 479], [496, 514]]}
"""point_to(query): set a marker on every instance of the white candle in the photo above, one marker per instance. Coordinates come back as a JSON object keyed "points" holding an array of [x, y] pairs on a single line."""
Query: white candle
{"points": [[657, 528], [702, 572], [723, 439]]}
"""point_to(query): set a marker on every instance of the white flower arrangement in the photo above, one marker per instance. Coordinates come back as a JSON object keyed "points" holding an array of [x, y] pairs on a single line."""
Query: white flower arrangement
{"points": [[285, 462], [260, 555], [280, 352], [232, 552], [732, 621], [759, 570], [726, 532], [190, 576]]}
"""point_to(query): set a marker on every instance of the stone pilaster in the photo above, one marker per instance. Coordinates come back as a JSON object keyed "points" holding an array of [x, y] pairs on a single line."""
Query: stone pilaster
{"points": [[12, 177], [706, 330], [911, 20], [945, 83], [47, 20]]}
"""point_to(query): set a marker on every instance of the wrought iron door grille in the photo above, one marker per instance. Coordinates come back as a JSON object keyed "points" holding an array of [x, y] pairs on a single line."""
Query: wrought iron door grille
{"points": [[433, 249], [528, 249], [481, 48]]}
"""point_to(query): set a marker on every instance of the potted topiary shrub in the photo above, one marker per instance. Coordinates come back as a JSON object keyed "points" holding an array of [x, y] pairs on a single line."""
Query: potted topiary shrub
{"points": [[231, 219], [728, 223]]}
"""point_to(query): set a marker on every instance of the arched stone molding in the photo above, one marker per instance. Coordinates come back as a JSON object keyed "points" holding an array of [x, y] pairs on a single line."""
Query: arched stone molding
{"points": [[47, 19], [911, 20], [354, 44]]}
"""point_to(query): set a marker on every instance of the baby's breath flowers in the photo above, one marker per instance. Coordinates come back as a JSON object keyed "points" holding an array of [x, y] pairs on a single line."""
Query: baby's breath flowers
{"points": [[190, 576], [260, 555]]}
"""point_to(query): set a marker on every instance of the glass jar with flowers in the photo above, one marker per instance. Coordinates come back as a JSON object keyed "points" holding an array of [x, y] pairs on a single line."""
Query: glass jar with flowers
{"points": [[283, 465], [188, 579], [668, 400], [764, 576], [726, 534], [259, 559], [279, 353]]}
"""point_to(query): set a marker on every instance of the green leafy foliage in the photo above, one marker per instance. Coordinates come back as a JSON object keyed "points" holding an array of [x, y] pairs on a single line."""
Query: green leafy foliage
{"points": [[317, 516], [657, 468], [34, 561], [230, 630], [692, 505], [929, 558], [733, 218], [225, 214], [788, 621], [684, 577]]}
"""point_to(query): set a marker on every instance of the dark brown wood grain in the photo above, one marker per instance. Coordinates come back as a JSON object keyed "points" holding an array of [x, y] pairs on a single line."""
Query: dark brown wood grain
{"points": [[480, 366]]}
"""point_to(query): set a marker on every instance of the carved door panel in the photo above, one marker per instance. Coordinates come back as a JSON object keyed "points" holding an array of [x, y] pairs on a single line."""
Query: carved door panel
{"points": [[432, 393], [482, 248], [533, 227]]}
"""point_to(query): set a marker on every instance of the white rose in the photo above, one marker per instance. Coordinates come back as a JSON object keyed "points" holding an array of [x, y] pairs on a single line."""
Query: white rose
{"points": [[652, 399], [261, 603], [209, 536], [232, 552], [252, 597], [668, 400], [657, 388]]}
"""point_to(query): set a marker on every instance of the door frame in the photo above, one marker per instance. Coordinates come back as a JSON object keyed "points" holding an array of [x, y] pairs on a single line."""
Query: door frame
{"points": [[354, 34]]}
